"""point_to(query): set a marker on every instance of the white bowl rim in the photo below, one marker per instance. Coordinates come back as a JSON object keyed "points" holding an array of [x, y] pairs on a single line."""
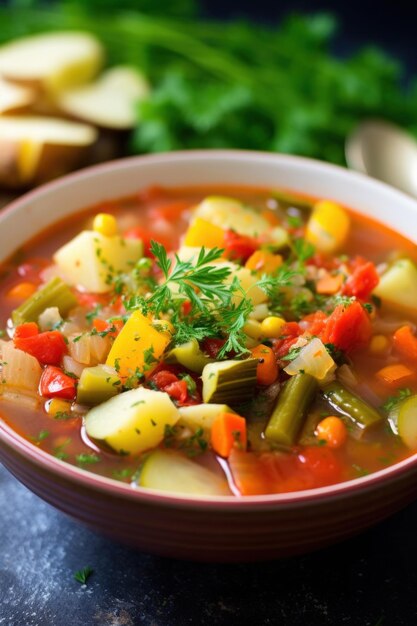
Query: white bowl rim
{"points": [[338, 491]]}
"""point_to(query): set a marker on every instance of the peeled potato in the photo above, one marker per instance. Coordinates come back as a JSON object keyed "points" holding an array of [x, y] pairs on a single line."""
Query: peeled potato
{"points": [[36, 149], [14, 98], [109, 102], [52, 62]]}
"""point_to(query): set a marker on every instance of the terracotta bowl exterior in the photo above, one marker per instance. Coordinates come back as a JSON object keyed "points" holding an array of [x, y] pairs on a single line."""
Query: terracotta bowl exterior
{"points": [[207, 529]]}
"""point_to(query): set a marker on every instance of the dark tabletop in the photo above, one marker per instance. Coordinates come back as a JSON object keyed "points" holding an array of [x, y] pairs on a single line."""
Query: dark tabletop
{"points": [[367, 581]]}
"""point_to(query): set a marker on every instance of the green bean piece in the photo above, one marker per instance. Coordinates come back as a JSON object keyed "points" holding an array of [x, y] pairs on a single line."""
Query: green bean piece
{"points": [[352, 406], [55, 293], [291, 409]]}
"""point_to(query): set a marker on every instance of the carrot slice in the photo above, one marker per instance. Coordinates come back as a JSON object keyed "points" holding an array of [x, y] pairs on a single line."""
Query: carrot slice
{"points": [[406, 343], [228, 430], [267, 370], [329, 284], [264, 262], [22, 291], [396, 374]]}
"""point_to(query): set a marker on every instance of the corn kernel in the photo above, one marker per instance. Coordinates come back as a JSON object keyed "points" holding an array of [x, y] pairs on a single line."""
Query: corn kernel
{"points": [[253, 329], [328, 226], [105, 224], [272, 326], [55, 406], [379, 344]]}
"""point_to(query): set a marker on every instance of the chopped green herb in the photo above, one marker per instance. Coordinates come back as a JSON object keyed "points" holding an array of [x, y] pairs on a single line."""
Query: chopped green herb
{"points": [[83, 575], [87, 459], [392, 401]]}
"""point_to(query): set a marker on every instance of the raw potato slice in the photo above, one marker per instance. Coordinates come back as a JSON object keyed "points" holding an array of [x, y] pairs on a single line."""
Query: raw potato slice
{"points": [[169, 471], [15, 99], [133, 421], [52, 62], [36, 149], [86, 259], [110, 102]]}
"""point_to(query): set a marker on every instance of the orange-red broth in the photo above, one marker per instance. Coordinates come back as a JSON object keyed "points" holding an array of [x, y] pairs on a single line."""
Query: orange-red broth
{"points": [[165, 213]]}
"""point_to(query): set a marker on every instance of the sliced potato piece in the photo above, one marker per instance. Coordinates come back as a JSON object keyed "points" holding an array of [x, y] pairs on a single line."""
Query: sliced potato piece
{"points": [[35, 149], [169, 471], [110, 102], [398, 286], [91, 259], [51, 62], [228, 213], [133, 421], [14, 98]]}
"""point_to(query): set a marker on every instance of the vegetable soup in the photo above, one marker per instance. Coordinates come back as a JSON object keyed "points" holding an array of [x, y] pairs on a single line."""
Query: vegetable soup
{"points": [[214, 341]]}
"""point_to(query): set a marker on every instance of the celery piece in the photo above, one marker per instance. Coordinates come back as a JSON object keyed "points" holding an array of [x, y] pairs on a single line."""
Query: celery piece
{"points": [[291, 409], [54, 294], [229, 382], [189, 355], [97, 384]]}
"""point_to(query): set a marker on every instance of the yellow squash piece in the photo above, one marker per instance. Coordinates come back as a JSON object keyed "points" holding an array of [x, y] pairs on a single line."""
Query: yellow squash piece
{"points": [[138, 347], [203, 233], [397, 287], [229, 213], [133, 421], [328, 226]]}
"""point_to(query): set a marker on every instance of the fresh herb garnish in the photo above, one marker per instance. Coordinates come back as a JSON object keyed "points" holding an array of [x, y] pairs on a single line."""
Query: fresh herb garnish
{"points": [[393, 401], [87, 459], [83, 575]]}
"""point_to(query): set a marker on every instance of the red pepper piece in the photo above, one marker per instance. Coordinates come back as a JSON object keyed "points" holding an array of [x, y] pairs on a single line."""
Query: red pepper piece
{"points": [[29, 329], [362, 281], [239, 247], [55, 384], [48, 347]]}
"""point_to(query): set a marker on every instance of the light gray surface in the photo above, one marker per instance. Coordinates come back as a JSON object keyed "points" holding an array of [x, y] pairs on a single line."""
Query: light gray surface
{"points": [[368, 581]]}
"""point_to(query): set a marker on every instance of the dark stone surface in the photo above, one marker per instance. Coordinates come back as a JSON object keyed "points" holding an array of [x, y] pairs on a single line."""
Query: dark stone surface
{"points": [[367, 581]]}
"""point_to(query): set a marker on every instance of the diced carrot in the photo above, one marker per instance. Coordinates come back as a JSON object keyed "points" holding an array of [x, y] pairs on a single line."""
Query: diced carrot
{"points": [[406, 343], [228, 430], [29, 329], [22, 291], [111, 329], [396, 374], [270, 217], [247, 474], [264, 262], [203, 233], [332, 430], [329, 284], [267, 370]]}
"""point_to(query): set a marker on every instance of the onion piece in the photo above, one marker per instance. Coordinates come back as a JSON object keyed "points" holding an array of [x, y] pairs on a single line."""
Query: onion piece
{"points": [[19, 369], [313, 359], [72, 366]]}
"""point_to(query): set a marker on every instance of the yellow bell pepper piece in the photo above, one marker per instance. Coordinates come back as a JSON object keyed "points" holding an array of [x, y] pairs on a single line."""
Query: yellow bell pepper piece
{"points": [[328, 226], [203, 233], [264, 262], [138, 347]]}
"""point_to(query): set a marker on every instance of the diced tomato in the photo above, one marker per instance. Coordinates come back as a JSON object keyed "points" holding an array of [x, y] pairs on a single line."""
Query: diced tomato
{"points": [[314, 323], [212, 346], [239, 247], [186, 307], [178, 390], [322, 463], [289, 335], [164, 378], [91, 300], [55, 384], [362, 281], [29, 329], [169, 211], [48, 347], [321, 260], [348, 327], [138, 232]]}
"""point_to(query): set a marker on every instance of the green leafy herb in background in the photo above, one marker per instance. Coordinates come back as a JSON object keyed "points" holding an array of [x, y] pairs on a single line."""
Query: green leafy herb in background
{"points": [[233, 84]]}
